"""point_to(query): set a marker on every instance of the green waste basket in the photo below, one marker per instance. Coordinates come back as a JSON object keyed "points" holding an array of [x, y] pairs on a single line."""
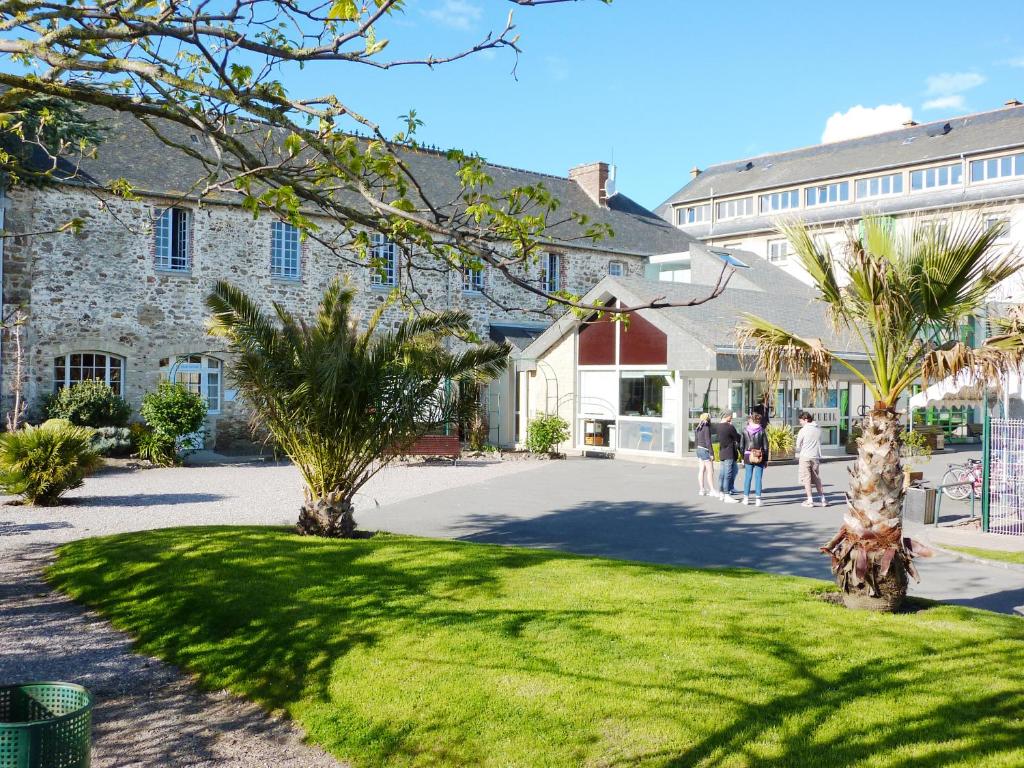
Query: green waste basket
{"points": [[45, 725]]}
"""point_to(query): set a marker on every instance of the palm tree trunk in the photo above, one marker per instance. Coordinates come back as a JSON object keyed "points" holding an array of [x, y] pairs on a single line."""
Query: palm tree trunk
{"points": [[870, 558], [331, 515]]}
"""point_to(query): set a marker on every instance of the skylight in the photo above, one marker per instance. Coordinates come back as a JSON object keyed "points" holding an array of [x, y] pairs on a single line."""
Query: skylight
{"points": [[731, 260]]}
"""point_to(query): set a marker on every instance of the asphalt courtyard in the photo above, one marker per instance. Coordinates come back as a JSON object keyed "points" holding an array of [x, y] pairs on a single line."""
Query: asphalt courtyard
{"points": [[629, 510]]}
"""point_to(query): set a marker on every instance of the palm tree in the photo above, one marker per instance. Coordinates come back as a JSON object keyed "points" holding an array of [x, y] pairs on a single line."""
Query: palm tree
{"points": [[907, 297], [342, 403]]}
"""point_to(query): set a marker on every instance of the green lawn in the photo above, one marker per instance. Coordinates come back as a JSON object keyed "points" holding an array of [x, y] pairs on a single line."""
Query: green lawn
{"points": [[990, 554], [402, 651]]}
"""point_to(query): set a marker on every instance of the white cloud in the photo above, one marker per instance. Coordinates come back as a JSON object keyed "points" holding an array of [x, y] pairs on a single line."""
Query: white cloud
{"points": [[1017, 61], [946, 102], [457, 14], [863, 121], [950, 83]]}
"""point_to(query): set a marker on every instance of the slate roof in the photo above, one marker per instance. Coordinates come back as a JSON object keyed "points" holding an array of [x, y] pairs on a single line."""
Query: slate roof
{"points": [[759, 275], [132, 151], [519, 336], [928, 142]]}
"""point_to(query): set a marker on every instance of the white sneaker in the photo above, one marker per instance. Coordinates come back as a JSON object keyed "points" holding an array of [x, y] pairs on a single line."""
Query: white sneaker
{"points": [[824, 501], [807, 503], [702, 492], [757, 503], [728, 499], [746, 501]]}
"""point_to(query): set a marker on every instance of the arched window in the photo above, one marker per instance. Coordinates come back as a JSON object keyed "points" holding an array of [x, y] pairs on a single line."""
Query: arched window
{"points": [[197, 373], [83, 366]]}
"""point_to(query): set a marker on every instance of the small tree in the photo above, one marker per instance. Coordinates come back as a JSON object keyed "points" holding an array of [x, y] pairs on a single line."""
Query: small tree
{"points": [[545, 432], [340, 402], [172, 413], [43, 463]]}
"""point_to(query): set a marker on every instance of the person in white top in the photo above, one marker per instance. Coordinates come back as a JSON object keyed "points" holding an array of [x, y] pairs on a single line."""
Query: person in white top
{"points": [[808, 451]]}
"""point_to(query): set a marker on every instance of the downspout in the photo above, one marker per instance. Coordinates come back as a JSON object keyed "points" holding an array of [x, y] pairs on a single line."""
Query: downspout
{"points": [[3, 308]]}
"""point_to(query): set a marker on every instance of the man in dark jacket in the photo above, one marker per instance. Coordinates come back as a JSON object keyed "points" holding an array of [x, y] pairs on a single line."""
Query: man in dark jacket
{"points": [[728, 452]]}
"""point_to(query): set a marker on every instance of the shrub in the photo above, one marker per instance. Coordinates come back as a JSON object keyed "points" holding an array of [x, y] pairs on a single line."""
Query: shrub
{"points": [[89, 404], [112, 441], [172, 413], [781, 438], [43, 463], [915, 448], [545, 432]]}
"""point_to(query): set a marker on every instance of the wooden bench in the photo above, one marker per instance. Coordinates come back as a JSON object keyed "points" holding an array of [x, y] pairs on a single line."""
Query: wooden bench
{"points": [[442, 446]]}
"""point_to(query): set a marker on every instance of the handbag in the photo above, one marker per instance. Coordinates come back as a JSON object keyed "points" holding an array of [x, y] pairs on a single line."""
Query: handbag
{"points": [[756, 455]]}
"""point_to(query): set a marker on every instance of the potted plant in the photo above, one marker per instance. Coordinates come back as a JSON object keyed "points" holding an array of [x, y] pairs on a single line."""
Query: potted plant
{"points": [[915, 452], [781, 441]]}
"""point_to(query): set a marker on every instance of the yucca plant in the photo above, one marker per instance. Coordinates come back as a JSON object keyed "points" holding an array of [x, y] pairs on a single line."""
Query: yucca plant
{"points": [[340, 402], [41, 464], [908, 294]]}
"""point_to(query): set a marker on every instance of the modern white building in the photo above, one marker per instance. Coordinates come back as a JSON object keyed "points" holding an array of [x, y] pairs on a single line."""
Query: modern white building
{"points": [[931, 171]]}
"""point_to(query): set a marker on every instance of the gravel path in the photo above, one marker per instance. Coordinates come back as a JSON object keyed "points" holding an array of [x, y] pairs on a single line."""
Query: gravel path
{"points": [[149, 714]]}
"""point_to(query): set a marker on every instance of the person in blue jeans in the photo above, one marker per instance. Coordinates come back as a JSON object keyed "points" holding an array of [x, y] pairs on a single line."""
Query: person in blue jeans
{"points": [[754, 445], [728, 453]]}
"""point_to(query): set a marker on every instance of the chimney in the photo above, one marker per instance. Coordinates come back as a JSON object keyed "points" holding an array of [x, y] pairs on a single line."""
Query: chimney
{"points": [[1012, 103], [910, 123], [694, 172], [592, 178]]}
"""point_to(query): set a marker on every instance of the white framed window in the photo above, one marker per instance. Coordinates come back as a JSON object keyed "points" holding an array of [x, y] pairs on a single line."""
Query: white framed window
{"points": [[731, 209], [172, 234], [778, 251], [201, 374], [616, 268], [84, 366], [551, 272], [780, 201], [472, 279], [827, 194], [383, 261], [285, 251], [941, 176], [693, 214], [999, 220], [1002, 167], [879, 186]]}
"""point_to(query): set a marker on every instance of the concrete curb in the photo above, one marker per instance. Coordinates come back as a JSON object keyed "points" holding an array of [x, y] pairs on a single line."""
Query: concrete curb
{"points": [[973, 558]]}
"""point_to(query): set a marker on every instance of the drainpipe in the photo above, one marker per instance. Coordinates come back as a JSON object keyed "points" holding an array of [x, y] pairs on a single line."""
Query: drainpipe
{"points": [[3, 309]]}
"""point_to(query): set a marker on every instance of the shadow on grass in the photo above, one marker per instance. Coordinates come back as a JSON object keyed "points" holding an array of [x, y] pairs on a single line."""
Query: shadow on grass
{"points": [[637, 663]]}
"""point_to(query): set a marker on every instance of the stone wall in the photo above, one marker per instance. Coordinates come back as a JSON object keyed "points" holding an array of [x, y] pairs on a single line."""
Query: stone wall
{"points": [[98, 290]]}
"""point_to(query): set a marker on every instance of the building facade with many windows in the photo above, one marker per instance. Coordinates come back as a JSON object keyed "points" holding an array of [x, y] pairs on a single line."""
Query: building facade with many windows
{"points": [[122, 299], [971, 165]]}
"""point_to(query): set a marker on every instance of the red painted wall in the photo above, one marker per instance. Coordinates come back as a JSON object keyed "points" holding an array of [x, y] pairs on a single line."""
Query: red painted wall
{"points": [[597, 342]]}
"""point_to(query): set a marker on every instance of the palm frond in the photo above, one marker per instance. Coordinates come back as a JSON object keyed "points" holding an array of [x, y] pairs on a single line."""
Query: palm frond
{"points": [[776, 349]]}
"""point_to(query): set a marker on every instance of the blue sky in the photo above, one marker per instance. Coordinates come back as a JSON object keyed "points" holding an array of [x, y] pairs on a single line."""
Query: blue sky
{"points": [[663, 85]]}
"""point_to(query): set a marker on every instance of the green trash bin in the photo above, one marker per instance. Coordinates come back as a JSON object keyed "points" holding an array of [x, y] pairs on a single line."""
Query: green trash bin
{"points": [[45, 725]]}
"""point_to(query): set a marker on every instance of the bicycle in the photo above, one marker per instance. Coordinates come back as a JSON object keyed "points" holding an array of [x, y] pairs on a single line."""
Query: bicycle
{"points": [[969, 472]]}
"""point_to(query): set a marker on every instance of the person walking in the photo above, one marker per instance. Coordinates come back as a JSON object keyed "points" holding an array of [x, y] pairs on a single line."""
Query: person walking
{"points": [[728, 453], [808, 451], [705, 456], [754, 444]]}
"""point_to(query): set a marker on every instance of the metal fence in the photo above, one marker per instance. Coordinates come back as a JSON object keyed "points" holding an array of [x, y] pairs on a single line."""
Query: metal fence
{"points": [[1006, 477]]}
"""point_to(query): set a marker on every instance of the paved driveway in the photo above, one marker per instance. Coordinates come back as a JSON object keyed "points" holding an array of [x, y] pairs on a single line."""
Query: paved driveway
{"points": [[652, 512]]}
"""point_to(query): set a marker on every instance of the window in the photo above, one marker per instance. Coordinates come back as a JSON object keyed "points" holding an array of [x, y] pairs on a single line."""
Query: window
{"points": [[550, 272], [780, 201], [826, 194], [880, 186], [173, 251], [730, 209], [472, 279], [694, 214], [1003, 167], [999, 220], [284, 251], [731, 260], [616, 268], [641, 393], [84, 366], [942, 176], [778, 251], [383, 261], [197, 373]]}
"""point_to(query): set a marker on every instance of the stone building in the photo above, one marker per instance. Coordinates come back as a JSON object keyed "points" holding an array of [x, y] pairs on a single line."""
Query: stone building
{"points": [[123, 299]]}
